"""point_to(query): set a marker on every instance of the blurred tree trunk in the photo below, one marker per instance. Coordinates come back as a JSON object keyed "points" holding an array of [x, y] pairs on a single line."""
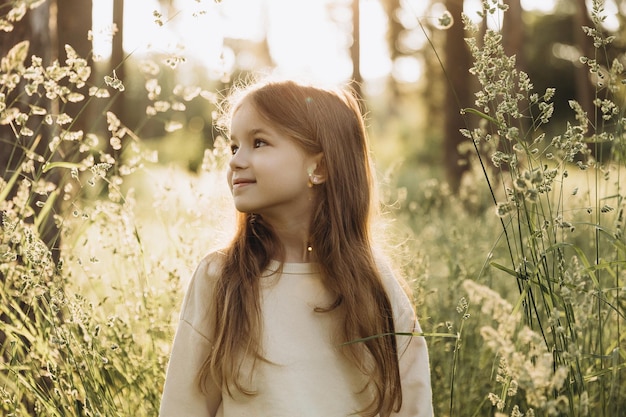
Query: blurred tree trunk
{"points": [[585, 92], [513, 33], [355, 49], [38, 27], [117, 62], [457, 61], [34, 28], [74, 21], [513, 38], [394, 31]]}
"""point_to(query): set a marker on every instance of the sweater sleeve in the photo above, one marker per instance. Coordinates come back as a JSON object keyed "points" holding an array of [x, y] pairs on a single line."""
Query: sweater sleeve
{"points": [[415, 377], [412, 350], [182, 396]]}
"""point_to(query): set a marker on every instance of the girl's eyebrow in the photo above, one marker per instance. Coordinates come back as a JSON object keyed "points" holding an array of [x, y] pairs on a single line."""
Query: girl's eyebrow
{"points": [[251, 132]]}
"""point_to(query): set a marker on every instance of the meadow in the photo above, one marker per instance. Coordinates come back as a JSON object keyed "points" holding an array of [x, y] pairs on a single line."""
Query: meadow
{"points": [[518, 279]]}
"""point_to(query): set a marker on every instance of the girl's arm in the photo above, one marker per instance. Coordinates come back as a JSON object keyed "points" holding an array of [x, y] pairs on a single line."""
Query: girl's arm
{"points": [[182, 396], [412, 350], [415, 375]]}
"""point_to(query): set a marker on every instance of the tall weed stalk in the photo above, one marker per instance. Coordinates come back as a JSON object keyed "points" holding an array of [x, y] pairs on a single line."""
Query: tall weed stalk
{"points": [[561, 344], [84, 330]]}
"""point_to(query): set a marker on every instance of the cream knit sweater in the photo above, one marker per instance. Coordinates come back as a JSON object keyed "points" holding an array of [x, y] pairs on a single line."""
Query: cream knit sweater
{"points": [[305, 375]]}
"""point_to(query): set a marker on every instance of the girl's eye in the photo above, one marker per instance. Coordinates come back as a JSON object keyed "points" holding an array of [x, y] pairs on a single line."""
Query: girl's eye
{"points": [[259, 142], [233, 149]]}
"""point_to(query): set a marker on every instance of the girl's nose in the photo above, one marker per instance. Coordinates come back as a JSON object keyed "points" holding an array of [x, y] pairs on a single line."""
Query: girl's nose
{"points": [[238, 160]]}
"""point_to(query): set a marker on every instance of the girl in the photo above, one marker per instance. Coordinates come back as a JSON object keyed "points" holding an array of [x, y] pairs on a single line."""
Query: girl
{"points": [[297, 316]]}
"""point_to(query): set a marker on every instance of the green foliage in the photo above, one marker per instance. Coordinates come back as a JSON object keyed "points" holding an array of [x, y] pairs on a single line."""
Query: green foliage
{"points": [[559, 345], [518, 279], [525, 264], [85, 332]]}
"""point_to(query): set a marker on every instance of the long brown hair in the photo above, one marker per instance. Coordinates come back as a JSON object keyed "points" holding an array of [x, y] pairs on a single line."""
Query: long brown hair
{"points": [[330, 122]]}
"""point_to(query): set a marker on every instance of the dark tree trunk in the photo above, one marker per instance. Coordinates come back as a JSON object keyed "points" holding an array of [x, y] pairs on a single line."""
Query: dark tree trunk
{"points": [[35, 27], [393, 36], [355, 49], [458, 95], [74, 21], [513, 33], [585, 93], [117, 62], [584, 88]]}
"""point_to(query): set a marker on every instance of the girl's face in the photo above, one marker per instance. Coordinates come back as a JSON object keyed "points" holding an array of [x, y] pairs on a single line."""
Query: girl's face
{"points": [[268, 173]]}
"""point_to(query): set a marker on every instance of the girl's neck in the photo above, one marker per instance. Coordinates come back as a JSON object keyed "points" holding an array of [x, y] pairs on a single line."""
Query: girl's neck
{"points": [[302, 254], [294, 238], [296, 247]]}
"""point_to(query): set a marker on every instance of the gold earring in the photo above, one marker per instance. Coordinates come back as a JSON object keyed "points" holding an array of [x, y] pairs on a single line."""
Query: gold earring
{"points": [[313, 180]]}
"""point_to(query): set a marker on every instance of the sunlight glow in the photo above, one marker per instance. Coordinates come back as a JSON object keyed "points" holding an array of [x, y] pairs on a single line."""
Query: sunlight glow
{"points": [[304, 42], [375, 60], [305, 38], [544, 6], [102, 17]]}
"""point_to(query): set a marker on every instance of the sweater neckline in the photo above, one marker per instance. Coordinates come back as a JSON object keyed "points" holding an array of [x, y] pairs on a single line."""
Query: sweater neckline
{"points": [[295, 268]]}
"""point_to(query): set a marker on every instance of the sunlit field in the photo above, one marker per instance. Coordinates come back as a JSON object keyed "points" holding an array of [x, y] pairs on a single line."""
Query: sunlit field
{"points": [[517, 273]]}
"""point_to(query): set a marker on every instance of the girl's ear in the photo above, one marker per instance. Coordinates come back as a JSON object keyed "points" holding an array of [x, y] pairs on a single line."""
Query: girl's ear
{"points": [[317, 170]]}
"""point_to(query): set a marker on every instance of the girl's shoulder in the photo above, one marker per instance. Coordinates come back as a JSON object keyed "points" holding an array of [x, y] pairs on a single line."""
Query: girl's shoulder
{"points": [[211, 265], [388, 273], [397, 288], [201, 287], [207, 272]]}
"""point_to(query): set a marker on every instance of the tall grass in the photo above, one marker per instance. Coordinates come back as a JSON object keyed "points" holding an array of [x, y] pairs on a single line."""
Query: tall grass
{"points": [[531, 289], [560, 344], [86, 305]]}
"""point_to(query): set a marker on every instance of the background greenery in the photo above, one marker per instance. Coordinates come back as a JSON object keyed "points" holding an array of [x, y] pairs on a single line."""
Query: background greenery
{"points": [[510, 232]]}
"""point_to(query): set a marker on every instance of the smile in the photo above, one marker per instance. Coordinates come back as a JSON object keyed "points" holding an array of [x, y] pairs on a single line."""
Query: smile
{"points": [[239, 183]]}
